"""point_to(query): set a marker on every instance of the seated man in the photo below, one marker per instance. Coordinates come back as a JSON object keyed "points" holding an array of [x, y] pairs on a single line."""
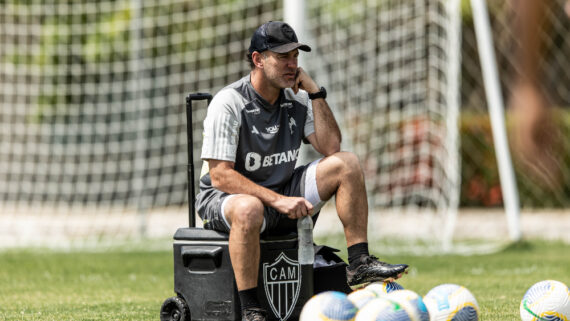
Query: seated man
{"points": [[252, 135]]}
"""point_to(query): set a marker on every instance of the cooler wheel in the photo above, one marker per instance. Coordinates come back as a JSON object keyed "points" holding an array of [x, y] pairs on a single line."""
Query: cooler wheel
{"points": [[174, 309]]}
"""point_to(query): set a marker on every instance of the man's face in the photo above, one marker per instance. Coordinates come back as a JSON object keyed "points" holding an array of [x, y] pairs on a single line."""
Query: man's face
{"points": [[280, 69]]}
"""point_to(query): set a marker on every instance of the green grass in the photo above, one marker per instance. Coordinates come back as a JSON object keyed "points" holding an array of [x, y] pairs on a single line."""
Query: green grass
{"points": [[497, 281], [84, 286], [123, 285]]}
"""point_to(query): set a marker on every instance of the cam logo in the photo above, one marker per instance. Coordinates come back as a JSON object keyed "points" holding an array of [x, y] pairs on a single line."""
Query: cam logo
{"points": [[282, 282]]}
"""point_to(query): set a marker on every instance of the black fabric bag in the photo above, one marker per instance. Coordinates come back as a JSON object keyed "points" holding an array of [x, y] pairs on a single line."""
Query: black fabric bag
{"points": [[329, 272]]}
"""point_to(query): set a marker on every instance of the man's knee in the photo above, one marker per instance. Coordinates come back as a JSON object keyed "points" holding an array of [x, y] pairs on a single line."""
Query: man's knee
{"points": [[245, 211], [350, 159], [346, 164]]}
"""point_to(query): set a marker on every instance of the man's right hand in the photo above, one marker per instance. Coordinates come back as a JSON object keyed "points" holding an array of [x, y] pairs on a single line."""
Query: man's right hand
{"points": [[293, 207]]}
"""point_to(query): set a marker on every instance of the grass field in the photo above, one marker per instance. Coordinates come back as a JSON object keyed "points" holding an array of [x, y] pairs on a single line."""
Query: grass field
{"points": [[131, 285]]}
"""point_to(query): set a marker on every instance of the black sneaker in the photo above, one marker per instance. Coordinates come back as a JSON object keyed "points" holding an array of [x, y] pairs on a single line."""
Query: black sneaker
{"points": [[369, 269], [253, 314]]}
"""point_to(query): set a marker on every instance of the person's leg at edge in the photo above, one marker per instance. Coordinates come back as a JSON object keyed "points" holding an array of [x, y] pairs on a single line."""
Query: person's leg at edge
{"points": [[244, 213], [341, 174]]}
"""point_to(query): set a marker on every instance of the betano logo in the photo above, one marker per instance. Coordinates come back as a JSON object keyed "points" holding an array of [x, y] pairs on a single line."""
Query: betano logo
{"points": [[254, 162]]}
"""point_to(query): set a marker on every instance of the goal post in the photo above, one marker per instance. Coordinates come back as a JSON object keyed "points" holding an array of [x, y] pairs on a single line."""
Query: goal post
{"points": [[497, 115]]}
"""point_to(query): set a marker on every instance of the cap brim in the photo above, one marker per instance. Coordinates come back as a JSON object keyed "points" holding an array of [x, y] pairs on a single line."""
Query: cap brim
{"points": [[290, 47]]}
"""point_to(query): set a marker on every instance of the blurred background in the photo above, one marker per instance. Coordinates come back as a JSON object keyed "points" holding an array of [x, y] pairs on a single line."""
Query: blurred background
{"points": [[93, 143]]}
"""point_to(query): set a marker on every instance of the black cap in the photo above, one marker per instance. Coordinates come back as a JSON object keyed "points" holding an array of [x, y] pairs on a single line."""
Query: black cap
{"points": [[276, 36]]}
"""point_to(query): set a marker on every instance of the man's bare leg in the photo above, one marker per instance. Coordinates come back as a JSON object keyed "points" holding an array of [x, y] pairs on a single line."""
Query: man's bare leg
{"points": [[341, 174], [245, 214]]}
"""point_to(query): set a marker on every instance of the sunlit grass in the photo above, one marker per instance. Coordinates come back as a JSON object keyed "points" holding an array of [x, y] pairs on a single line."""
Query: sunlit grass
{"points": [[131, 285]]}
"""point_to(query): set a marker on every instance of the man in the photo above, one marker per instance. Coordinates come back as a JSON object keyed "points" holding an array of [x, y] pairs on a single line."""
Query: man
{"points": [[252, 134]]}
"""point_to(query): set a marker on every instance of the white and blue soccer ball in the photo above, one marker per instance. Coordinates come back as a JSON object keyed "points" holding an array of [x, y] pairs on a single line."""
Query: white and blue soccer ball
{"points": [[383, 288], [361, 297], [546, 300], [451, 302], [328, 306], [382, 309], [412, 303]]}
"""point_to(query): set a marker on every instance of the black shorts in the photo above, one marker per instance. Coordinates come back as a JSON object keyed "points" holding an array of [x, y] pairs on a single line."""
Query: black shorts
{"points": [[210, 202]]}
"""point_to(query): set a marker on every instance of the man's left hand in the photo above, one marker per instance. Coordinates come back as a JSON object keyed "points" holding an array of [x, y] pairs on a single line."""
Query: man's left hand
{"points": [[305, 82]]}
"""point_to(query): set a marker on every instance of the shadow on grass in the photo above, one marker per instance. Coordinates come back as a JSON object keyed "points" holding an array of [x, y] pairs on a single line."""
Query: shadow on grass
{"points": [[520, 246]]}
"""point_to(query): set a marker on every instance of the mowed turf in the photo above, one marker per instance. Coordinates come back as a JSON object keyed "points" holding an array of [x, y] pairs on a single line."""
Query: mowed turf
{"points": [[131, 285]]}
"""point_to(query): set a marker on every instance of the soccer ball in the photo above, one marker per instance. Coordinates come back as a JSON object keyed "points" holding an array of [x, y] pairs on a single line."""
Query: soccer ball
{"points": [[328, 306], [383, 288], [411, 302], [451, 302], [381, 309], [362, 296], [546, 300]]}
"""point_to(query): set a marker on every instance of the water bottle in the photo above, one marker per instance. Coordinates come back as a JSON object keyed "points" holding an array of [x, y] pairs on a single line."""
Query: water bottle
{"points": [[306, 257], [306, 254]]}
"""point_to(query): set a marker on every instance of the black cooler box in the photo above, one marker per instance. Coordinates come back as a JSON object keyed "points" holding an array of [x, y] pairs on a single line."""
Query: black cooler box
{"points": [[204, 278]]}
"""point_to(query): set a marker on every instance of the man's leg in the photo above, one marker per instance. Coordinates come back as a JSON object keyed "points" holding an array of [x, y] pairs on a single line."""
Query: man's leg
{"points": [[341, 174], [244, 213]]}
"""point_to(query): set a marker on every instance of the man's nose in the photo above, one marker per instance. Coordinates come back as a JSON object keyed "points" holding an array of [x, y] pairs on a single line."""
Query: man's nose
{"points": [[292, 62]]}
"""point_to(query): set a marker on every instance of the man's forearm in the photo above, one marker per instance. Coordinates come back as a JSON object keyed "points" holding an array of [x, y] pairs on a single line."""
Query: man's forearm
{"points": [[232, 182], [327, 131], [327, 135]]}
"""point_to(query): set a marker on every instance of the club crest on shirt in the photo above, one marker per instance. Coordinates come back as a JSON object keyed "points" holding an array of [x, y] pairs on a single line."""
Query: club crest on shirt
{"points": [[292, 123]]}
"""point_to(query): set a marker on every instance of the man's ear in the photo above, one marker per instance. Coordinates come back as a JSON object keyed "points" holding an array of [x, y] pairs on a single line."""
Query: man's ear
{"points": [[257, 59]]}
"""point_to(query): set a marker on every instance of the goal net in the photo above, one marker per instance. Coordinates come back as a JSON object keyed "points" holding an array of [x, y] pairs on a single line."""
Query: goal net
{"points": [[393, 72], [92, 126]]}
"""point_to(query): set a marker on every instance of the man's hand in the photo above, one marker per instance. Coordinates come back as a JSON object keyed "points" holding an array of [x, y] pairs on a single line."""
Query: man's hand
{"points": [[293, 207], [305, 82]]}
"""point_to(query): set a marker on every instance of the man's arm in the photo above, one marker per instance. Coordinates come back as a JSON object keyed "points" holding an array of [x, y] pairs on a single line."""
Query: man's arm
{"points": [[225, 178], [327, 137]]}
